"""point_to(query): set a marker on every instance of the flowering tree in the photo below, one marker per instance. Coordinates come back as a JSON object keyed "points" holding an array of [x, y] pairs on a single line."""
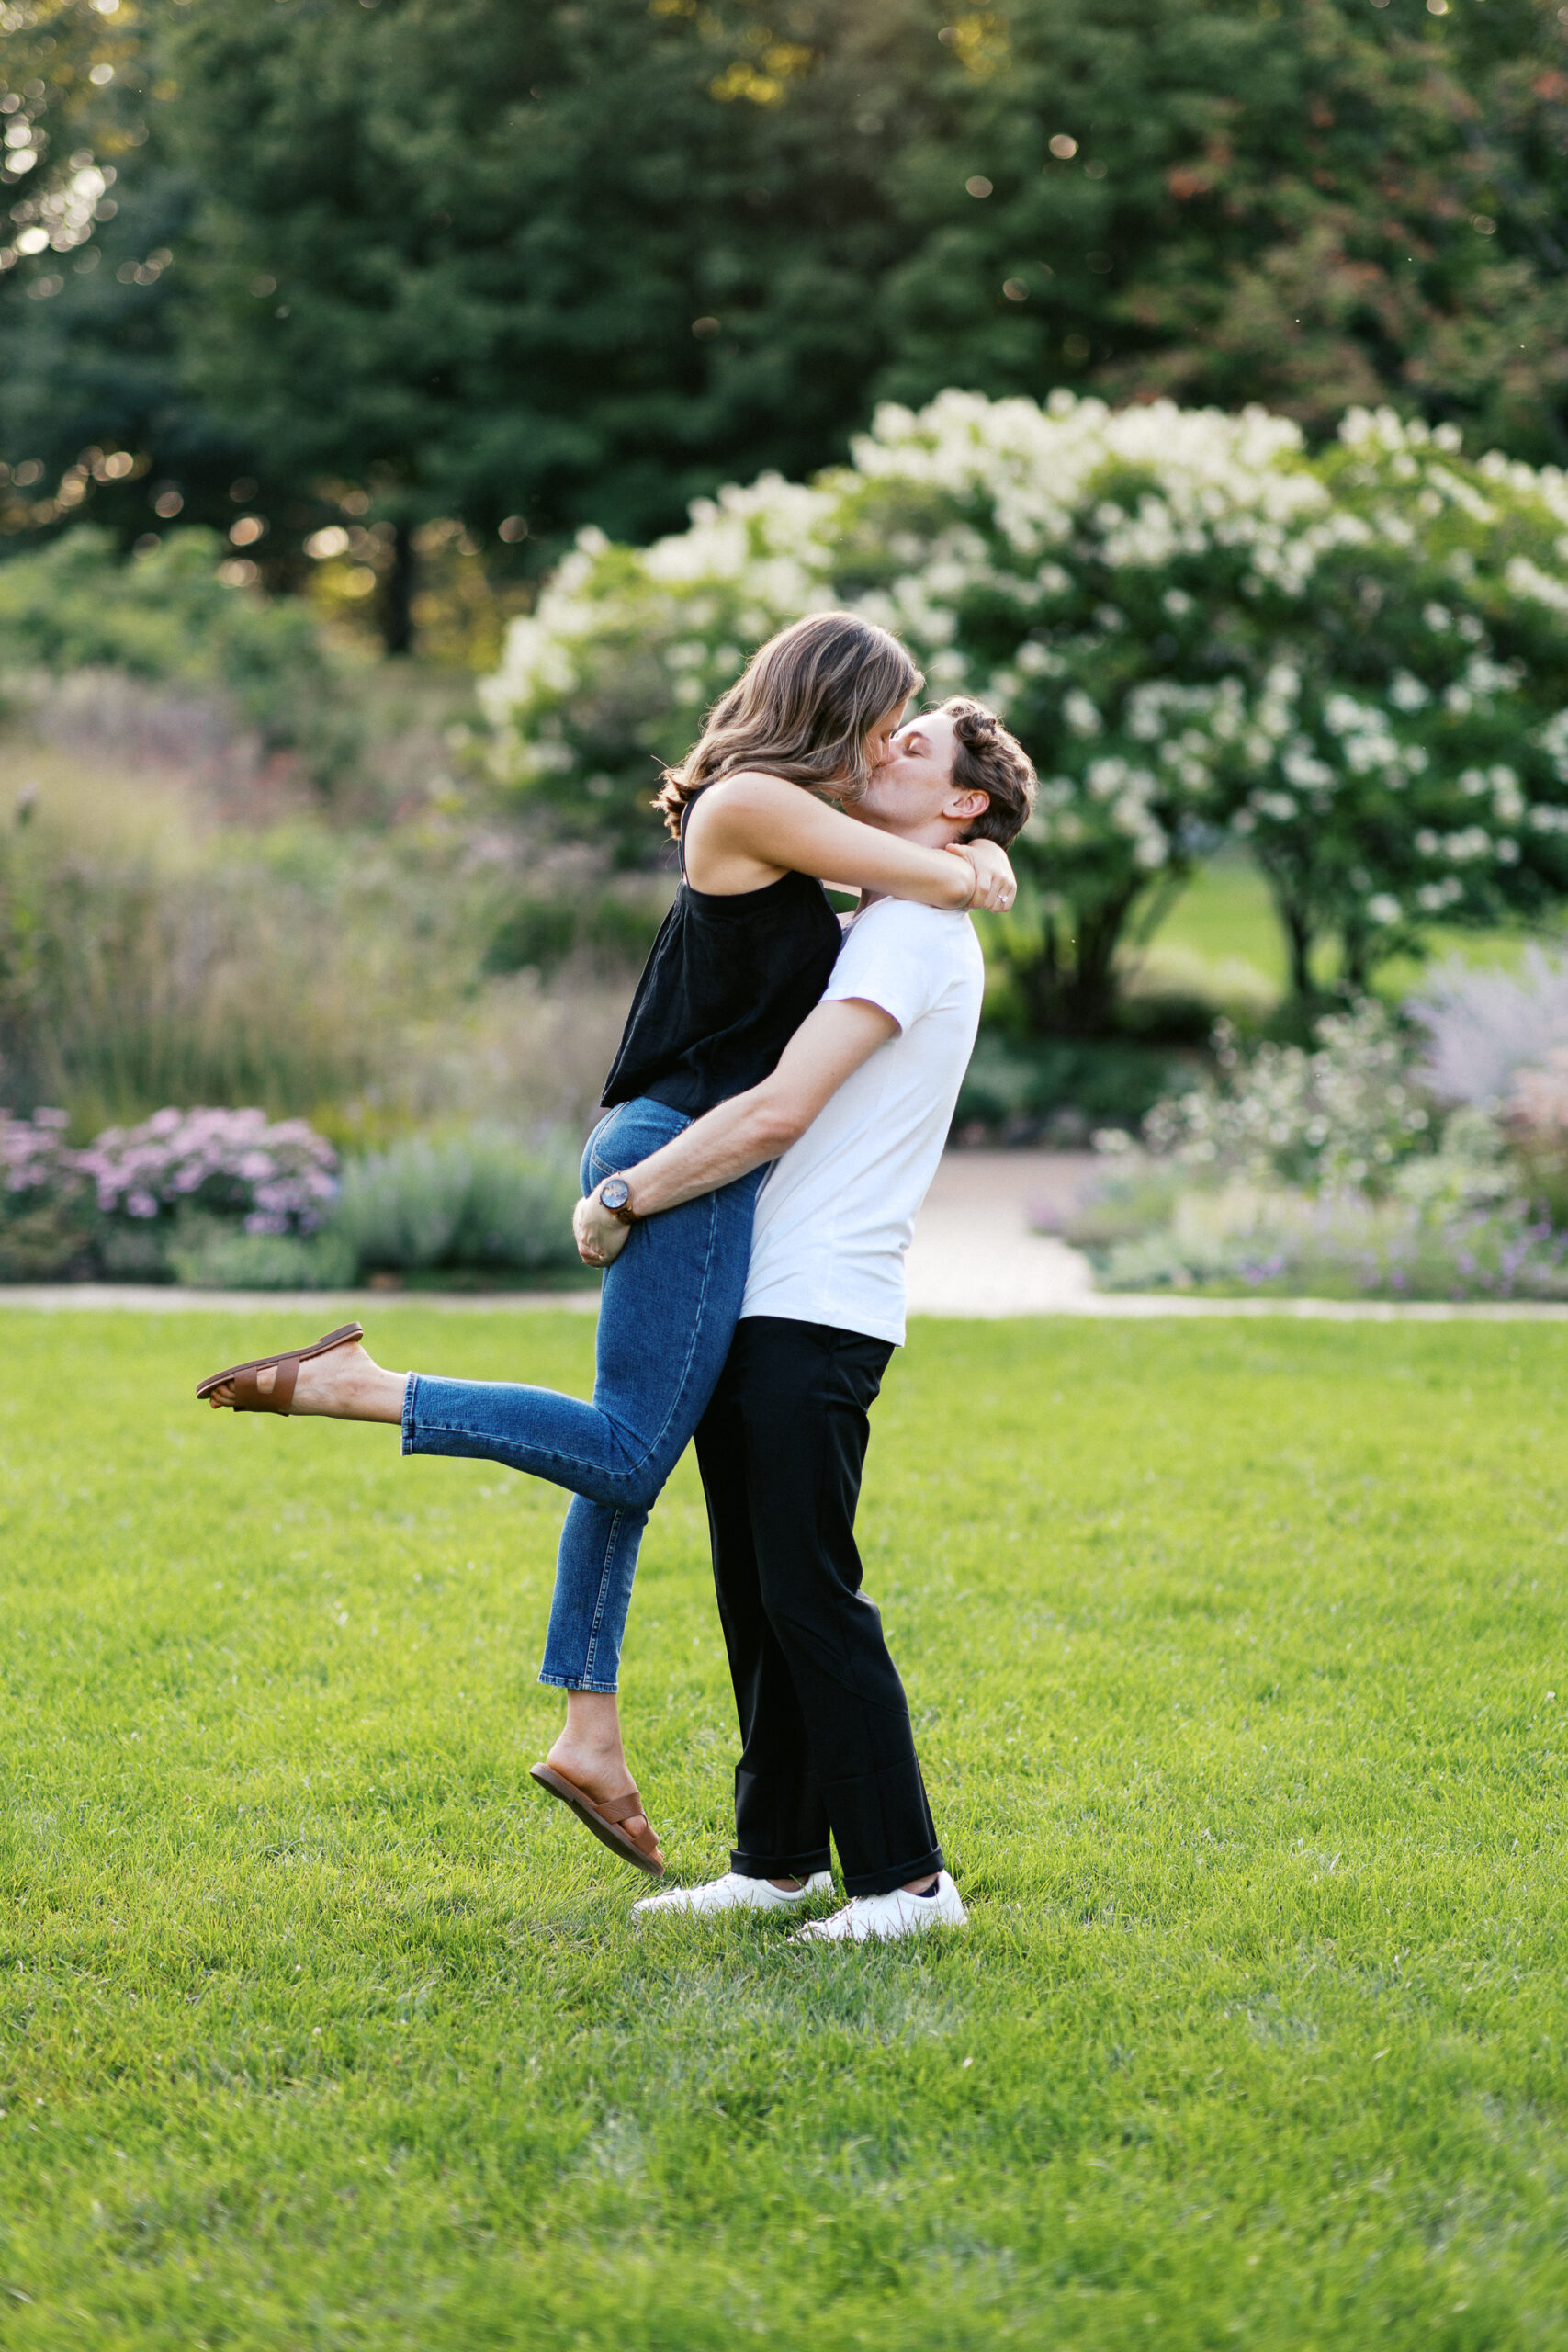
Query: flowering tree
{"points": [[1341, 1116], [1082, 569], [1359, 662], [1407, 756], [607, 678]]}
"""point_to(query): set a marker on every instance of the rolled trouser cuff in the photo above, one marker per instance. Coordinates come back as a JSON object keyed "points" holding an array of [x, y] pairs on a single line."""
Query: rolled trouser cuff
{"points": [[897, 1874], [781, 1865]]}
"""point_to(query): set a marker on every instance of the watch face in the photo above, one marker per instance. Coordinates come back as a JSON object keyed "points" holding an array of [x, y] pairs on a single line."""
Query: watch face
{"points": [[615, 1193]]}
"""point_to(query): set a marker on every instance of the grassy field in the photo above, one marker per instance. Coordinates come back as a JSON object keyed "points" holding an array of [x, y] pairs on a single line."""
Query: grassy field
{"points": [[1224, 919], [1232, 1651]]}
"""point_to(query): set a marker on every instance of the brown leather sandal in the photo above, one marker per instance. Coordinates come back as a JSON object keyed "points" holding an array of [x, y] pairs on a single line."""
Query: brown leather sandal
{"points": [[637, 1846], [249, 1399]]}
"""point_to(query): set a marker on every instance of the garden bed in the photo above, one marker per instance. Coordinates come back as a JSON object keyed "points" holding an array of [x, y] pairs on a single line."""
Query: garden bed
{"points": [[1422, 1159]]}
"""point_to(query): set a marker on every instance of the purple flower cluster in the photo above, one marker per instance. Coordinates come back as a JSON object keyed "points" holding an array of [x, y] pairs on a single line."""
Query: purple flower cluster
{"points": [[280, 1179], [34, 1156], [1469, 1254]]}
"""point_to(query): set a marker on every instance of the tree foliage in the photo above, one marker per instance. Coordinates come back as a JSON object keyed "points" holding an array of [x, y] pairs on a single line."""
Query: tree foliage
{"points": [[1358, 661], [578, 263], [94, 411], [1313, 204]]}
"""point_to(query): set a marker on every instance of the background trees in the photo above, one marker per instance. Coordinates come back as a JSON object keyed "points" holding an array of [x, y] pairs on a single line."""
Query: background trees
{"points": [[1357, 661], [579, 264], [1309, 204], [95, 410], [356, 279]]}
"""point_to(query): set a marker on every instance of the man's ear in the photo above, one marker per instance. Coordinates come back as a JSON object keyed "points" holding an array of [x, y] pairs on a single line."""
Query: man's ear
{"points": [[964, 807]]}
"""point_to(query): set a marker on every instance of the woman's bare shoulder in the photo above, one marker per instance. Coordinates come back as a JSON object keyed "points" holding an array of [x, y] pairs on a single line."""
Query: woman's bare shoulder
{"points": [[750, 793], [746, 787]]}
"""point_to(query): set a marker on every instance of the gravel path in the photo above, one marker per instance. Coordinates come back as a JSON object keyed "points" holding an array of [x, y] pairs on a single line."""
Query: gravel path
{"points": [[974, 1254]]}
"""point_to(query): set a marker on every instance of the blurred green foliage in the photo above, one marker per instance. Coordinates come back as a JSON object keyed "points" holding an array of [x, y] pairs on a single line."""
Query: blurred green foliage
{"points": [[166, 615], [548, 267], [476, 1202], [539, 935], [1022, 1087]]}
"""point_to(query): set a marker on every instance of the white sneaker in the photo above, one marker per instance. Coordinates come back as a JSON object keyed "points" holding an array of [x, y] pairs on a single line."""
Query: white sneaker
{"points": [[867, 1919], [733, 1892]]}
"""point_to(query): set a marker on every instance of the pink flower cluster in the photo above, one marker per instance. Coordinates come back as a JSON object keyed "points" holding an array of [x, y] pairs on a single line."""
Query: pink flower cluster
{"points": [[280, 1179], [34, 1155]]}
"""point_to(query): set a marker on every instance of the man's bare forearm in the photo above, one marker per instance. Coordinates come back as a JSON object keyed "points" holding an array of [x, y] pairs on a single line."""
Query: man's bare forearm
{"points": [[722, 1145], [738, 1135]]}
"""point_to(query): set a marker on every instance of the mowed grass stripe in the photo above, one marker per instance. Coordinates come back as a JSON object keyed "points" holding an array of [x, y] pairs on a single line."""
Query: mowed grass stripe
{"points": [[1230, 1649]]}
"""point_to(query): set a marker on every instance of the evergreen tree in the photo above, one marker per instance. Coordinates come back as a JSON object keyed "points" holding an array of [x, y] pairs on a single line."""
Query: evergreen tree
{"points": [[1308, 203], [544, 266], [564, 265], [93, 414]]}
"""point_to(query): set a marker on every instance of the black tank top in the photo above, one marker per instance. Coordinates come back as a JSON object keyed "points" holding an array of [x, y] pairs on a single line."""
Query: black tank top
{"points": [[728, 982]]}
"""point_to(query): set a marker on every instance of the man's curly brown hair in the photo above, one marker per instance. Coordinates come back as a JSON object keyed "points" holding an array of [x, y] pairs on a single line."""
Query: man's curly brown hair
{"points": [[987, 758]]}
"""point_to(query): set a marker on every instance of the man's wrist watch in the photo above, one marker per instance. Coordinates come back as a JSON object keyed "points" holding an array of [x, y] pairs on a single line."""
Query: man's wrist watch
{"points": [[616, 1194]]}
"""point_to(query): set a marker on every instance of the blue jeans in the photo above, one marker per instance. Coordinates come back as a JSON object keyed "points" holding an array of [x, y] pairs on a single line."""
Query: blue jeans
{"points": [[670, 1306]]}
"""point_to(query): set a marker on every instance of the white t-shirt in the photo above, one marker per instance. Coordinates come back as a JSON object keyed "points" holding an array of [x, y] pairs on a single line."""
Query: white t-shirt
{"points": [[837, 1211]]}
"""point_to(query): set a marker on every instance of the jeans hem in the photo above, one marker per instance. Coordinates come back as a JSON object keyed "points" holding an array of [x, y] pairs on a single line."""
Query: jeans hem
{"points": [[576, 1682], [409, 1411], [897, 1874]]}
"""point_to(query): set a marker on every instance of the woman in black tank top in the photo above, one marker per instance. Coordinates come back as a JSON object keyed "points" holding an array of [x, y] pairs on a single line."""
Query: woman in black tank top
{"points": [[728, 982], [742, 957]]}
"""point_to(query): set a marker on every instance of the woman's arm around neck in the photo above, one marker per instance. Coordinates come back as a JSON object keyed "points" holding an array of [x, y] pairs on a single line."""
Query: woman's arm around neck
{"points": [[750, 829]]}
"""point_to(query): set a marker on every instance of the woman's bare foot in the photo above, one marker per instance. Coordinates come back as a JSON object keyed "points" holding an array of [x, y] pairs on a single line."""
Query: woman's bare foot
{"points": [[589, 1751], [344, 1385]]}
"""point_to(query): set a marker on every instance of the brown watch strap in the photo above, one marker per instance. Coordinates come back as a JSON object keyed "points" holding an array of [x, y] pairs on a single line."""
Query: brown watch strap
{"points": [[626, 1213]]}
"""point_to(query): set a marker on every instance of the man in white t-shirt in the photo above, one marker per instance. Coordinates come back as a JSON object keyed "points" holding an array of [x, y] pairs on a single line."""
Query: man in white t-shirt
{"points": [[854, 1118]]}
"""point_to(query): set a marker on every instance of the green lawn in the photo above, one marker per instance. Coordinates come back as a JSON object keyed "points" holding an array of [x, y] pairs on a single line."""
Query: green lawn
{"points": [[1225, 911], [1225, 917], [1232, 1650]]}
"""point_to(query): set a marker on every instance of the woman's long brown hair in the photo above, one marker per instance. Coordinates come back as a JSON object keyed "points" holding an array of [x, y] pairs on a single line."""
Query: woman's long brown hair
{"points": [[802, 708]]}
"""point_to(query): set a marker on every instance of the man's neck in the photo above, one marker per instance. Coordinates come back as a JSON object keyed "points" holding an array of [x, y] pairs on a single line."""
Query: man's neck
{"points": [[936, 833]]}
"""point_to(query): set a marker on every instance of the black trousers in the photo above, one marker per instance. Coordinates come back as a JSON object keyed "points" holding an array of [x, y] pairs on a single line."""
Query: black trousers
{"points": [[824, 1724]]}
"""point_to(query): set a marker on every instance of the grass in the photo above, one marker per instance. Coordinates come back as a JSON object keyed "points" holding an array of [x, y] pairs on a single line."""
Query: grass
{"points": [[1225, 921], [1231, 1650], [1225, 913]]}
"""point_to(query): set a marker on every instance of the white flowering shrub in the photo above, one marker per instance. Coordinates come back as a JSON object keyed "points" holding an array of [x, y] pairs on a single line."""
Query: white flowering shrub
{"points": [[1072, 565], [1335, 1174], [607, 679], [1469, 1241], [1405, 760], [1359, 661], [1339, 1118], [1298, 1180]]}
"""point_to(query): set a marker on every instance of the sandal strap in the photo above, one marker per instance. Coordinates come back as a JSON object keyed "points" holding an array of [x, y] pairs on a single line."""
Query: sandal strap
{"points": [[248, 1395], [620, 1810]]}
